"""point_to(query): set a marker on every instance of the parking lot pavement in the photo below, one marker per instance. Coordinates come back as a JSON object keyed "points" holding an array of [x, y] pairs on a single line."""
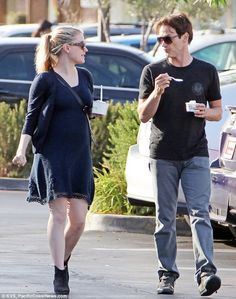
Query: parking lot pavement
{"points": [[104, 264]]}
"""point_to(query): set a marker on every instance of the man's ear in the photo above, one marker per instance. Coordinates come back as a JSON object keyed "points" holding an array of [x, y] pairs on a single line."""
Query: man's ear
{"points": [[186, 37]]}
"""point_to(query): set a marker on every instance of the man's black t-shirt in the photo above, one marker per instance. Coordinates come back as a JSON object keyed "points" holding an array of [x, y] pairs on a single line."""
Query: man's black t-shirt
{"points": [[175, 133]]}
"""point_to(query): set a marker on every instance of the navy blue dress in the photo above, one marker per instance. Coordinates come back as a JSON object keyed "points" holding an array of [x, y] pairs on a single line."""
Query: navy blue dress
{"points": [[63, 168]]}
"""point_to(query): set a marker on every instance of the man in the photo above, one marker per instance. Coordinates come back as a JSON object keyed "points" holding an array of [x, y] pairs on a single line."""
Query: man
{"points": [[178, 148]]}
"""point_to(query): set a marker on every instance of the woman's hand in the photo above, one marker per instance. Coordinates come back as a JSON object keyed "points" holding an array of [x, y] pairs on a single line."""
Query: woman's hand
{"points": [[19, 160]]}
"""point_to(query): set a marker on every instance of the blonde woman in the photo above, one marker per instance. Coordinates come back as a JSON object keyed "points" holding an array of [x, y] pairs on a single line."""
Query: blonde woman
{"points": [[61, 174]]}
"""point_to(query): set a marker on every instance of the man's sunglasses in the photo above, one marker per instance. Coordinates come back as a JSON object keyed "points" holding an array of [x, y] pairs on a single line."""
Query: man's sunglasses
{"points": [[81, 44], [166, 39]]}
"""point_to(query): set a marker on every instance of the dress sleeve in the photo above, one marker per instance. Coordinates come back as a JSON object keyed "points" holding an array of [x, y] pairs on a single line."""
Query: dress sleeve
{"points": [[37, 96], [89, 77], [90, 81]]}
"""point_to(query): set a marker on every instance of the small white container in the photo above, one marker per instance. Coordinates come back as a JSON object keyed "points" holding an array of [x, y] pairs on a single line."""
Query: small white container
{"points": [[100, 107], [191, 106]]}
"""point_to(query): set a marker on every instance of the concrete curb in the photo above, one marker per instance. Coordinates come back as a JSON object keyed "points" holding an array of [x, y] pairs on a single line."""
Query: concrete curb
{"points": [[13, 184], [130, 224], [107, 222], [120, 223]]}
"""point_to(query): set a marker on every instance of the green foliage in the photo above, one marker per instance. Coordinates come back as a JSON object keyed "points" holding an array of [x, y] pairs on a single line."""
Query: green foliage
{"points": [[154, 9], [110, 196], [205, 11], [213, 2], [101, 134], [11, 122]]}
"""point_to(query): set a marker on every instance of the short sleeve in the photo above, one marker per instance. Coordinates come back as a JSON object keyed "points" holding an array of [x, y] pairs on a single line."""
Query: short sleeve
{"points": [[146, 84], [214, 87]]}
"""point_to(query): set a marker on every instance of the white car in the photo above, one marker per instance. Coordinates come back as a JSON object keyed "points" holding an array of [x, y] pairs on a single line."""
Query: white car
{"points": [[138, 176], [18, 30]]}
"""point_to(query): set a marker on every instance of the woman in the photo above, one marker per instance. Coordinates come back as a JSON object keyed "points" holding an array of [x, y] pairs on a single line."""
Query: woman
{"points": [[61, 173], [44, 27]]}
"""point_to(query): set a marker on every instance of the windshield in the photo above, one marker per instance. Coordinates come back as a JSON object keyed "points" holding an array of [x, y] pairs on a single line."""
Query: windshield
{"points": [[221, 55]]}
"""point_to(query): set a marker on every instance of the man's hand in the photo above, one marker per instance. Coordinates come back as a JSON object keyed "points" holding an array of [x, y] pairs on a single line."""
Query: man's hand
{"points": [[161, 83], [201, 110]]}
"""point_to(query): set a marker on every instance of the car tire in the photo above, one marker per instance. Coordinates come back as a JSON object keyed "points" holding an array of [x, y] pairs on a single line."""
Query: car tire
{"points": [[233, 230]]}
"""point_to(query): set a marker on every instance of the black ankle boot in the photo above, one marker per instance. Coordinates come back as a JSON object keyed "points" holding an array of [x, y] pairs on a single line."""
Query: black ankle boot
{"points": [[60, 281], [67, 270]]}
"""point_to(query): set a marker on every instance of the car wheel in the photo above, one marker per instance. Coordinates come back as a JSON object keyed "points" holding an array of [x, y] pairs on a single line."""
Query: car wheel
{"points": [[233, 230]]}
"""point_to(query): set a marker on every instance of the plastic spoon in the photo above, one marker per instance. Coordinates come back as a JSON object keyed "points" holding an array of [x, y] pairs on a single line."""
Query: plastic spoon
{"points": [[176, 79]]}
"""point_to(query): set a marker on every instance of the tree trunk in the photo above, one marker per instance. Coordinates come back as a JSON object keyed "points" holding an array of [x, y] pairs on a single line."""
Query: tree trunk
{"points": [[3, 11], [104, 21]]}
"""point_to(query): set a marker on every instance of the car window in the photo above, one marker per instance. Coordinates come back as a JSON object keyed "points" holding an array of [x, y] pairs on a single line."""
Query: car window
{"points": [[222, 55], [17, 66], [22, 34], [231, 61], [113, 70]]}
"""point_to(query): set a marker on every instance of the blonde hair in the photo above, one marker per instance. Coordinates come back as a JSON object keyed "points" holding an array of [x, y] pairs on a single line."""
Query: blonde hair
{"points": [[50, 46]]}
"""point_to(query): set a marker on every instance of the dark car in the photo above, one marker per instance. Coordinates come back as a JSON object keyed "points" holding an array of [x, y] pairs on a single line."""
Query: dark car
{"points": [[223, 176], [116, 67]]}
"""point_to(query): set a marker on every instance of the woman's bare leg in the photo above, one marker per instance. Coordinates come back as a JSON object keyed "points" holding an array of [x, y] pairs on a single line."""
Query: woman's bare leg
{"points": [[55, 230], [75, 226]]}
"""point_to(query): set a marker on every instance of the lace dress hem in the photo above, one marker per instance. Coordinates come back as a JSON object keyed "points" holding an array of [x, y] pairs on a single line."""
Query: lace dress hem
{"points": [[44, 201]]}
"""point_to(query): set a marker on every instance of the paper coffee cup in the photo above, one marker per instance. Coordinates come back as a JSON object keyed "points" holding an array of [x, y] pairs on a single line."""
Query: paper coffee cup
{"points": [[100, 107]]}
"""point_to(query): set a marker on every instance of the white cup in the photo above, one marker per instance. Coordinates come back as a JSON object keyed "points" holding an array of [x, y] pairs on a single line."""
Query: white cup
{"points": [[191, 106], [100, 107]]}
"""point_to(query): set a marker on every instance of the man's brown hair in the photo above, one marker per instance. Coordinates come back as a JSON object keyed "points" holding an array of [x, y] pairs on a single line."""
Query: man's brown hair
{"points": [[180, 22]]}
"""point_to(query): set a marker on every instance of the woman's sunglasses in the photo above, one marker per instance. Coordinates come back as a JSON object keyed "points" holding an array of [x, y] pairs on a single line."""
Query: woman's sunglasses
{"points": [[166, 39], [81, 44]]}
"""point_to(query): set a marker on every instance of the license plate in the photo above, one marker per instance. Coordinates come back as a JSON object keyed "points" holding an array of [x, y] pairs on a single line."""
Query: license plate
{"points": [[229, 148]]}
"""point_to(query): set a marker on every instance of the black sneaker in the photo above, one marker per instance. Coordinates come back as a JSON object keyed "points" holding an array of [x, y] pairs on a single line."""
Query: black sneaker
{"points": [[166, 284], [209, 284]]}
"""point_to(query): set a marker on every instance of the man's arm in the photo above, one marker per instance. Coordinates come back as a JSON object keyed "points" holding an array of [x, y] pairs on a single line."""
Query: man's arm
{"points": [[148, 107]]}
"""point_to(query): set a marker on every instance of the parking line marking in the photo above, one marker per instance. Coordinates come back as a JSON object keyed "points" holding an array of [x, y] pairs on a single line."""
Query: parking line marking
{"points": [[153, 249]]}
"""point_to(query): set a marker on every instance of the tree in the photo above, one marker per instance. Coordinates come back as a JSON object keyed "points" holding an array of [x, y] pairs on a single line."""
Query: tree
{"points": [[213, 2], [206, 12], [67, 10], [148, 14], [104, 20]]}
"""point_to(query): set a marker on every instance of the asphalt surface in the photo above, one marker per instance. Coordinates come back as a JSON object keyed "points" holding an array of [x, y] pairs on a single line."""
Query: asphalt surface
{"points": [[104, 264]]}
